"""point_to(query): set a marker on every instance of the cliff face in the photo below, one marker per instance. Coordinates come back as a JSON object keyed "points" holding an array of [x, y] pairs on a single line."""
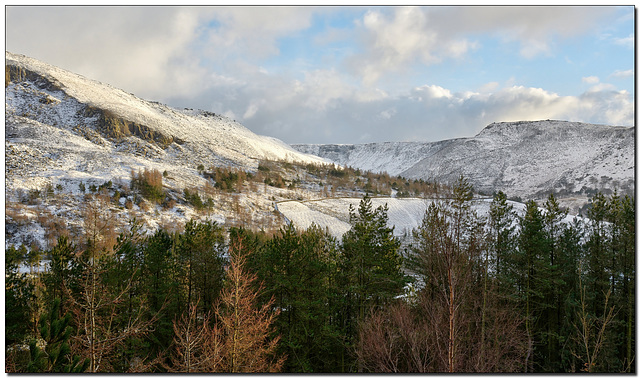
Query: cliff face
{"points": [[116, 128], [18, 74]]}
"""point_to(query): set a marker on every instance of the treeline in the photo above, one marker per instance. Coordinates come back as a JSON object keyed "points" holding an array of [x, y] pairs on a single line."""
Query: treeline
{"points": [[332, 179], [502, 293]]}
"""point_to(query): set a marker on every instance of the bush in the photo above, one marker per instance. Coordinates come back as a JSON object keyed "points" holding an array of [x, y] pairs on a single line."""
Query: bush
{"points": [[194, 199], [149, 183]]}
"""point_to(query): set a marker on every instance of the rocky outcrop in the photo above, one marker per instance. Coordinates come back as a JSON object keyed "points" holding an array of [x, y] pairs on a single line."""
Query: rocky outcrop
{"points": [[17, 74], [112, 126], [109, 125]]}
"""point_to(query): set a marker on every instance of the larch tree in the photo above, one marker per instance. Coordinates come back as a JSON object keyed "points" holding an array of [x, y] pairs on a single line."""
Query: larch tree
{"points": [[243, 329]]}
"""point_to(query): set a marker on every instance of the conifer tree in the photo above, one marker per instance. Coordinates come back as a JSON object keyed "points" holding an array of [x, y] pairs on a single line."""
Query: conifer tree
{"points": [[554, 227], [19, 296], [243, 331], [502, 243], [160, 276], [200, 250], [56, 356], [534, 283], [296, 270], [372, 265]]}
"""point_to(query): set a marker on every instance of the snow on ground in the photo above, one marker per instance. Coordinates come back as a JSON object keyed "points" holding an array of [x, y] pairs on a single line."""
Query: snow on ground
{"points": [[405, 214]]}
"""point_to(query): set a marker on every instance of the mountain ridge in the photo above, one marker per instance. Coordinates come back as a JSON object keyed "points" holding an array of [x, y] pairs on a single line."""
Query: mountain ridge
{"points": [[526, 158], [67, 100]]}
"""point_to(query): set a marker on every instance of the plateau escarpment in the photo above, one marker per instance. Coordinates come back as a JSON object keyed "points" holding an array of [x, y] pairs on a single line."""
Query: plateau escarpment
{"points": [[523, 159]]}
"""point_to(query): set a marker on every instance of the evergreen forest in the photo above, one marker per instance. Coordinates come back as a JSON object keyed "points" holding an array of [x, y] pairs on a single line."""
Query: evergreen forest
{"points": [[463, 293]]}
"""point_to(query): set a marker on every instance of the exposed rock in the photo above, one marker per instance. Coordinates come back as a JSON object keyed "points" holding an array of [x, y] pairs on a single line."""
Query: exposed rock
{"points": [[17, 74], [117, 128]]}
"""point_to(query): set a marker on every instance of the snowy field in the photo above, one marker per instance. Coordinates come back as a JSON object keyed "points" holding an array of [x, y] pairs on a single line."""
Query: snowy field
{"points": [[405, 214]]}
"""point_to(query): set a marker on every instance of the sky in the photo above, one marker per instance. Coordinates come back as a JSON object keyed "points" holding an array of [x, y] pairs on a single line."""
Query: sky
{"points": [[350, 74]]}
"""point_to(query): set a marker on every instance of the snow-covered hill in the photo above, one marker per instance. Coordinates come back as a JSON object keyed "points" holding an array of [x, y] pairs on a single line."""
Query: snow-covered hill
{"points": [[60, 125], [525, 159]]}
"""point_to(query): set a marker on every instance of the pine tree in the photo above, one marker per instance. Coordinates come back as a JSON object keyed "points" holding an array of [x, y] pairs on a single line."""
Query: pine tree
{"points": [[502, 239], [64, 271], [460, 323], [296, 269], [598, 254], [534, 283], [19, 295], [200, 249], [161, 285], [554, 227], [56, 357], [372, 265]]}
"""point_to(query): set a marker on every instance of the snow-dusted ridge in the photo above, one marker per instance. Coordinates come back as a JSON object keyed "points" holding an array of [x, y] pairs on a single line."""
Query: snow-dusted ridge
{"points": [[60, 98], [524, 159]]}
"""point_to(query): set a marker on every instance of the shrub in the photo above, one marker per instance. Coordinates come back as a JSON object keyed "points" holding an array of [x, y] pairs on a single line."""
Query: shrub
{"points": [[128, 204], [149, 183], [194, 199]]}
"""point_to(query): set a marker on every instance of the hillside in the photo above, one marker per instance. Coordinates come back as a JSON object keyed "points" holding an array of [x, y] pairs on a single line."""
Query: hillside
{"points": [[103, 131], [72, 142], [75, 146], [523, 159]]}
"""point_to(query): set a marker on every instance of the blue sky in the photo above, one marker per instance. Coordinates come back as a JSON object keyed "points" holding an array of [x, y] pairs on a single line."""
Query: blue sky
{"points": [[354, 74]]}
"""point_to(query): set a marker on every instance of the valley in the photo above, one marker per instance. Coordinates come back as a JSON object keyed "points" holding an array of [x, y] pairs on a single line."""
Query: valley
{"points": [[164, 218]]}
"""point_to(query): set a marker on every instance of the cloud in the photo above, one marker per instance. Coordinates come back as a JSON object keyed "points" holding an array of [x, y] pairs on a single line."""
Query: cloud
{"points": [[214, 58], [628, 42], [622, 74], [399, 38], [154, 52], [325, 108], [251, 31], [591, 80], [143, 50], [532, 27]]}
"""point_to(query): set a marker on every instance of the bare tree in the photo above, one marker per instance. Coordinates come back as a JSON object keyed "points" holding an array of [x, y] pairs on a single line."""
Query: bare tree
{"points": [[590, 332], [194, 350], [394, 342], [96, 310]]}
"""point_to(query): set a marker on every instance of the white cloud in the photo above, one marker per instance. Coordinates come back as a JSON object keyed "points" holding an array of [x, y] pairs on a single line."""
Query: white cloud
{"points": [[489, 87], [398, 38], [622, 74], [601, 87], [591, 80], [324, 109], [251, 111], [533, 27], [143, 50], [212, 58], [628, 42], [251, 31]]}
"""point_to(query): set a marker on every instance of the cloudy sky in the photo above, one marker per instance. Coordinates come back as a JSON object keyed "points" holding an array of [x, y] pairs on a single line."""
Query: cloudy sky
{"points": [[351, 74]]}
